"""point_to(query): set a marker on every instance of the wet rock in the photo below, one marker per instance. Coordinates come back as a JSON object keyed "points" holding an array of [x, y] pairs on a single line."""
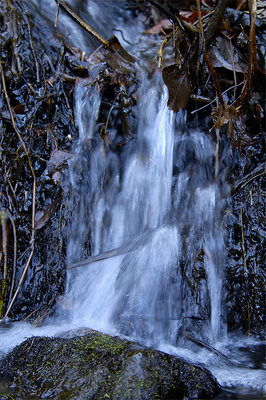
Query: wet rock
{"points": [[98, 366], [245, 274]]}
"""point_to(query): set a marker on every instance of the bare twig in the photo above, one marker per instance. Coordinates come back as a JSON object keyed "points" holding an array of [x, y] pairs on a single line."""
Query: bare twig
{"points": [[245, 265], [260, 170], [216, 84], [34, 311], [215, 80], [56, 16], [205, 345], [243, 240], [252, 63], [162, 8], [29, 258], [199, 19], [82, 23], [122, 250], [201, 41], [216, 167], [233, 63], [215, 20], [168, 37], [4, 255], [14, 254], [215, 99], [33, 49]]}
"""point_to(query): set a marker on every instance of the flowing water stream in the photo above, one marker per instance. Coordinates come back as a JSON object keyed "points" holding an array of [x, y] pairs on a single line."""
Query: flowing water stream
{"points": [[134, 200], [149, 212]]}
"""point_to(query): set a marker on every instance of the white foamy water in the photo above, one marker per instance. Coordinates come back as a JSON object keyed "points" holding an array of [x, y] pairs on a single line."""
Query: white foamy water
{"points": [[131, 293], [235, 373]]}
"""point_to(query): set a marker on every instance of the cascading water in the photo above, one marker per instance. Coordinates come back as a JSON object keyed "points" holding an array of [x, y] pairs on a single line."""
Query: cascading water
{"points": [[139, 293], [152, 211], [148, 213], [131, 293]]}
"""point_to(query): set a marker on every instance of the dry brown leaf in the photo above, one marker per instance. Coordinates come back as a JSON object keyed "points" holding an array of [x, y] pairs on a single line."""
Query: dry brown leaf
{"points": [[225, 56], [163, 25], [42, 217], [223, 115], [190, 16], [179, 88], [58, 160]]}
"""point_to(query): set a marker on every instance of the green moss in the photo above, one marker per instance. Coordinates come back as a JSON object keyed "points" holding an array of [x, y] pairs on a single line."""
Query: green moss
{"points": [[103, 366]]}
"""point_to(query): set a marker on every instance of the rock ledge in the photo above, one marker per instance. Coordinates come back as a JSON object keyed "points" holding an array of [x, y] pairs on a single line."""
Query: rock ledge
{"points": [[98, 366]]}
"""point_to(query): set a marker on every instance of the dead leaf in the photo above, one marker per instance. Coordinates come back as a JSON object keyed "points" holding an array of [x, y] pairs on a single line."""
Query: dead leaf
{"points": [[191, 16], [58, 160], [163, 25], [56, 176], [179, 88], [118, 58], [222, 55], [223, 115], [19, 108], [42, 217]]}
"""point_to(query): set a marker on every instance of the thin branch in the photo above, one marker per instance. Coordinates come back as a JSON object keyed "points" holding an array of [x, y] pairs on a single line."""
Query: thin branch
{"points": [[14, 254], [168, 37], [205, 345], [212, 101], [245, 265], [122, 250], [28, 261], [162, 8], [82, 23], [215, 80], [199, 19], [215, 20], [13, 118], [260, 170], [216, 165], [252, 63], [38, 79], [4, 253], [233, 61]]}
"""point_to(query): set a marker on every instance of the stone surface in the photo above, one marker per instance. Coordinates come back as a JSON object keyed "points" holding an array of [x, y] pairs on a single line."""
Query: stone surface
{"points": [[98, 366]]}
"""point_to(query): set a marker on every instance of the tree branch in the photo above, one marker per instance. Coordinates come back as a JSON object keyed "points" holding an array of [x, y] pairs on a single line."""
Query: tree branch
{"points": [[80, 21], [215, 20]]}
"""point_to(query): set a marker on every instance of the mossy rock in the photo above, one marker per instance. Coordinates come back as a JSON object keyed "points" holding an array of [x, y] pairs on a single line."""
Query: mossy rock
{"points": [[98, 366]]}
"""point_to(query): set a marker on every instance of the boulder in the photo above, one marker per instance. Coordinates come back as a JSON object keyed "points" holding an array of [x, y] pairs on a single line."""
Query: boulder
{"points": [[98, 366]]}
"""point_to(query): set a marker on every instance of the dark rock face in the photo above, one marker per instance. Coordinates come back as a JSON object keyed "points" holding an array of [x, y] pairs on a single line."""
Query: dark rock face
{"points": [[98, 366]]}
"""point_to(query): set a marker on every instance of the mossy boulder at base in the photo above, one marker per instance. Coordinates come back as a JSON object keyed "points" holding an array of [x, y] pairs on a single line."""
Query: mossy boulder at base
{"points": [[98, 366]]}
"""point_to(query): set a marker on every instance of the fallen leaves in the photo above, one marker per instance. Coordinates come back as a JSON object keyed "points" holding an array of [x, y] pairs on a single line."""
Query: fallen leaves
{"points": [[224, 55], [58, 160], [42, 217], [161, 27], [179, 87]]}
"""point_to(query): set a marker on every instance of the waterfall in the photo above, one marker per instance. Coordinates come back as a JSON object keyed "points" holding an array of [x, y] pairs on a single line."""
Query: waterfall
{"points": [[132, 206], [153, 214], [127, 293]]}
